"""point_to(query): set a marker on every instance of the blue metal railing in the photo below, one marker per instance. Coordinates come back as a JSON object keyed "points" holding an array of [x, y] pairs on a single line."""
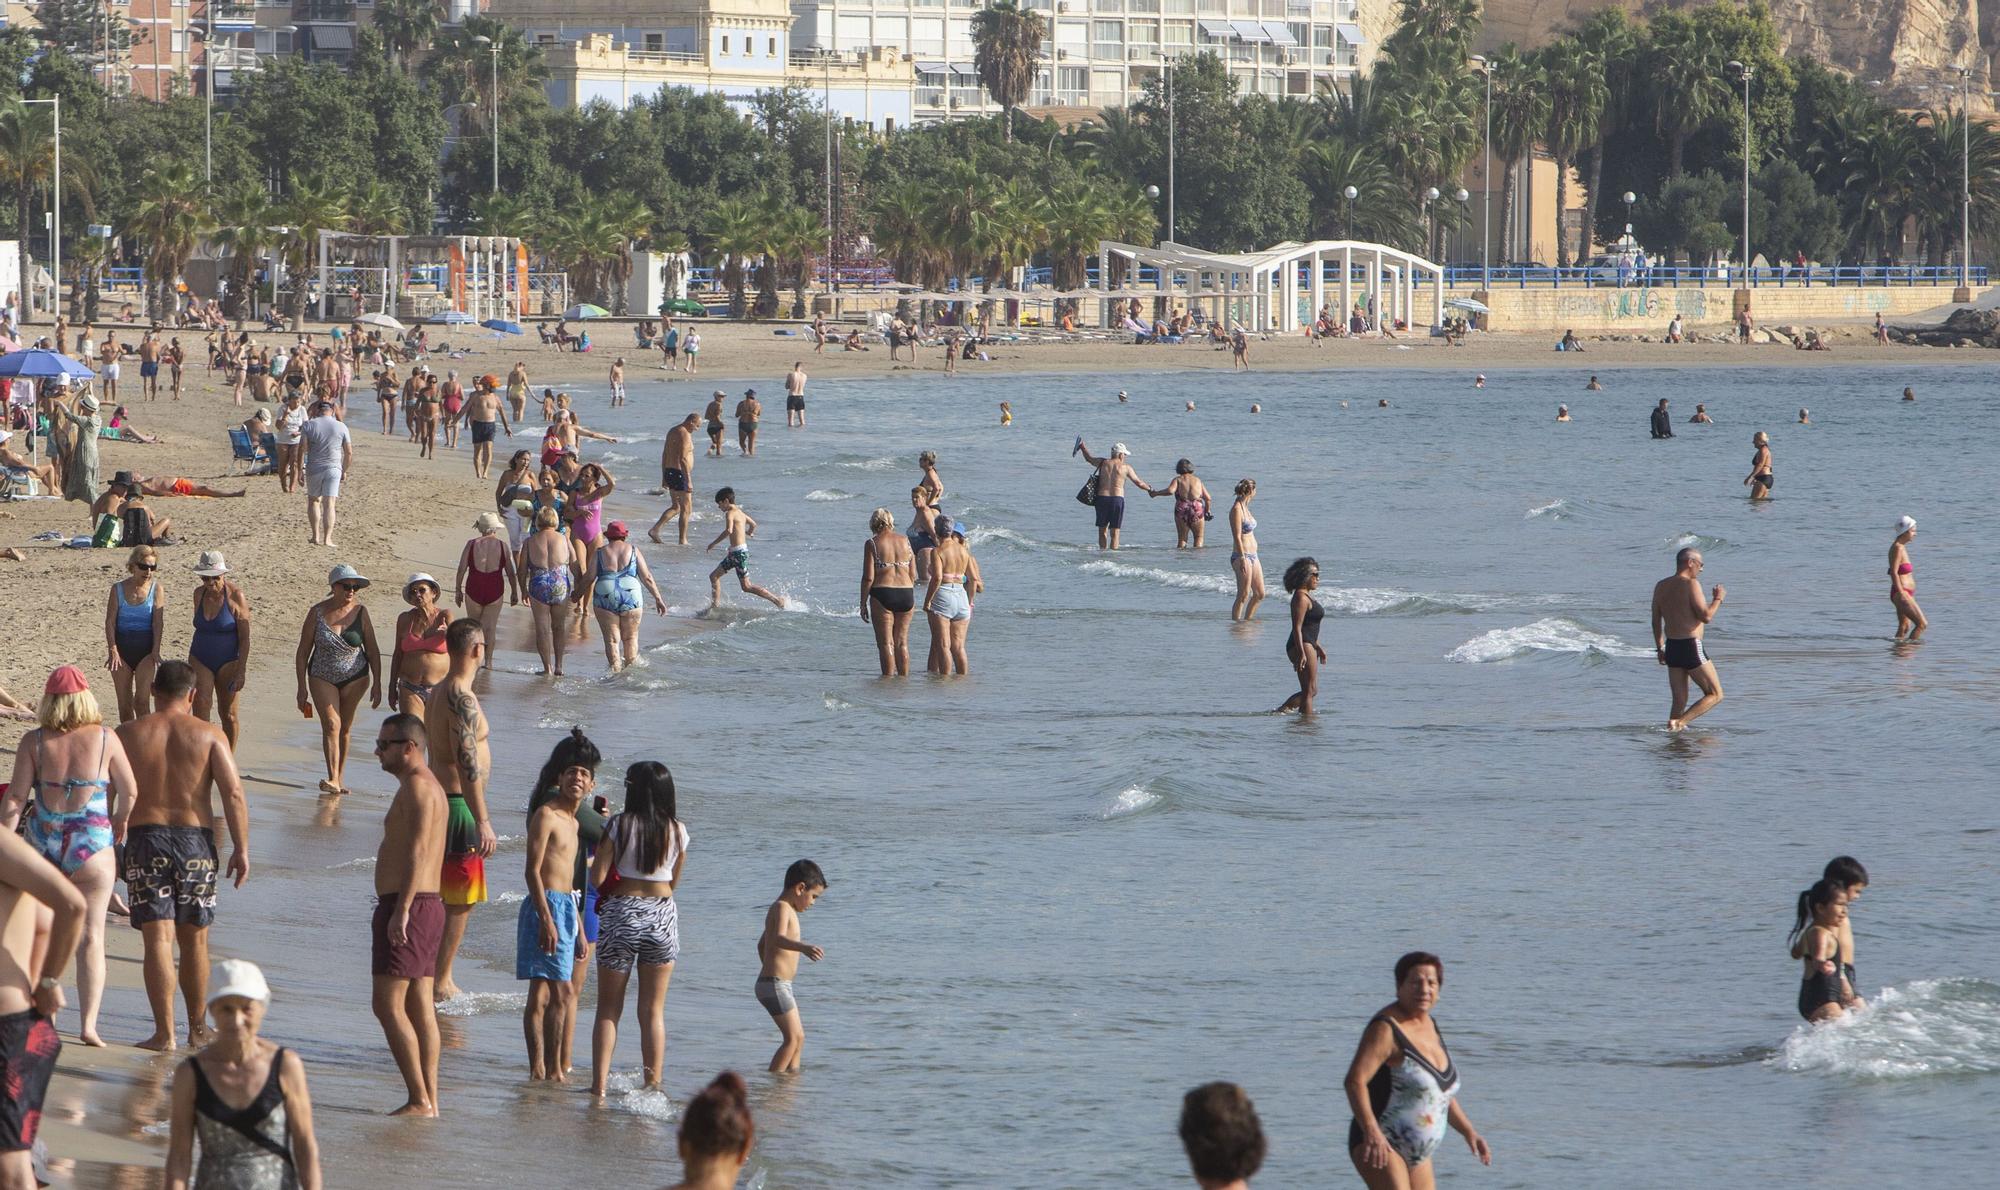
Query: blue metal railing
{"points": [[1661, 276]]}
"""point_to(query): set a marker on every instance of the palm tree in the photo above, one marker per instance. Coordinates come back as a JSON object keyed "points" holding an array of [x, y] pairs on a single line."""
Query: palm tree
{"points": [[1115, 141], [171, 215], [504, 215], [463, 67], [243, 228], [375, 210], [27, 157], [1686, 88], [1520, 112], [899, 224], [962, 193], [633, 220], [1011, 230], [673, 245], [1617, 46], [797, 235], [1006, 46], [733, 229], [314, 205], [1079, 215], [88, 257], [1575, 81], [1381, 209], [406, 26]]}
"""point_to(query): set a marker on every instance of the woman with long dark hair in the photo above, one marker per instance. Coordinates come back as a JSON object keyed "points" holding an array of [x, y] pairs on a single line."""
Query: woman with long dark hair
{"points": [[1824, 992], [1302, 645], [575, 757], [644, 848]]}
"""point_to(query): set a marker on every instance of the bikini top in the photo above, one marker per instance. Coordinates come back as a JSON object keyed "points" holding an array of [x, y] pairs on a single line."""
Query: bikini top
{"points": [[1906, 568], [1249, 522], [425, 642], [876, 552], [69, 785], [136, 617]]}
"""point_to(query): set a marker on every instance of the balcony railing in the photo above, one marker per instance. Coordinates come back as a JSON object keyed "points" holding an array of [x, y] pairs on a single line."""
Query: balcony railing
{"points": [[664, 57], [1604, 276], [231, 14], [325, 11]]}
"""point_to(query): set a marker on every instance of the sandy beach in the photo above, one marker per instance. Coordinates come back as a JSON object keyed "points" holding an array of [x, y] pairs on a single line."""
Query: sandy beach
{"points": [[400, 514]]}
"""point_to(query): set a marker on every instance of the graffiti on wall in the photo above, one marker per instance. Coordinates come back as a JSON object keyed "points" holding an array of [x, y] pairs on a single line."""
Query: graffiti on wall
{"points": [[1597, 306]]}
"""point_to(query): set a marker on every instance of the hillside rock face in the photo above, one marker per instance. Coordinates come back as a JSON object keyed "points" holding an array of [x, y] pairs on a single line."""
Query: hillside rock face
{"points": [[1903, 44]]}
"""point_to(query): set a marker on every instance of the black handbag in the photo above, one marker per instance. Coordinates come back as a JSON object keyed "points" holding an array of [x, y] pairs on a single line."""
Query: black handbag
{"points": [[1087, 494]]}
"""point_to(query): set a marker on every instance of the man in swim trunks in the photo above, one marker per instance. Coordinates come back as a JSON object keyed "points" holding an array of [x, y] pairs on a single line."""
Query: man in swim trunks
{"points": [[1112, 473], [677, 476], [178, 763], [714, 415], [456, 727], [1680, 615], [748, 410], [409, 916], [30, 993], [483, 412], [795, 395], [737, 529], [149, 366], [618, 381], [177, 485]]}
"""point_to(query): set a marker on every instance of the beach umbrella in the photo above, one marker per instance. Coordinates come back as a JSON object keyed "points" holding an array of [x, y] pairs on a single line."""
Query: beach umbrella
{"points": [[453, 318], [36, 363], [501, 326], [380, 320], [585, 310], [1469, 305]]}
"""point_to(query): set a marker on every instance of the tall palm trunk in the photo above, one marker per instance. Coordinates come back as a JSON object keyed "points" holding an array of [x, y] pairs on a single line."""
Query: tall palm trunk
{"points": [[1512, 179], [1676, 144], [21, 238], [1562, 208], [1590, 204]]}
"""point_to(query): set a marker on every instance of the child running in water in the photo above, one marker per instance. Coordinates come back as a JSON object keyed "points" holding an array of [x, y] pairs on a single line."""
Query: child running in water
{"points": [[780, 948], [737, 527]]}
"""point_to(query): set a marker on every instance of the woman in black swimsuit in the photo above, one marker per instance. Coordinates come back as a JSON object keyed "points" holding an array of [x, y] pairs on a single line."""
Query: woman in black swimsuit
{"points": [[1302, 646], [1824, 992], [888, 579]]}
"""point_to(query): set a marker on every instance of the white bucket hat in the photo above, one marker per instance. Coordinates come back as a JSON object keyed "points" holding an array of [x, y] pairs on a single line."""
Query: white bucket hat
{"points": [[1905, 525]]}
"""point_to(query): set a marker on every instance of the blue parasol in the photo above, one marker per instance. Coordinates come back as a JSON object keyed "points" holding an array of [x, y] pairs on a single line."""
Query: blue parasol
{"points": [[36, 362], [502, 326]]}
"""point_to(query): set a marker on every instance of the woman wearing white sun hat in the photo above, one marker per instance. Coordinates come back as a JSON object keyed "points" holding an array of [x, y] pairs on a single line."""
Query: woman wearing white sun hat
{"points": [[1910, 622], [267, 1142]]}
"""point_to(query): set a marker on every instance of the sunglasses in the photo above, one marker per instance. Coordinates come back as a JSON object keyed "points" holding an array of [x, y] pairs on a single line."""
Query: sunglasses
{"points": [[350, 587], [145, 566], [382, 746]]}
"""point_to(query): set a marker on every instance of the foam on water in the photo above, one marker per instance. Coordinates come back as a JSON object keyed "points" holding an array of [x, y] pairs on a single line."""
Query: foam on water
{"points": [[1554, 510], [828, 495], [1126, 802], [1927, 1027], [482, 1003], [366, 861], [1700, 541], [510, 898], [625, 1093], [1165, 578], [1555, 634], [980, 534]]}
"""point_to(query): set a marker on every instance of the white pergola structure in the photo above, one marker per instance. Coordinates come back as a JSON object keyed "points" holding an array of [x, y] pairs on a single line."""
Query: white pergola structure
{"points": [[1263, 289], [415, 277]]}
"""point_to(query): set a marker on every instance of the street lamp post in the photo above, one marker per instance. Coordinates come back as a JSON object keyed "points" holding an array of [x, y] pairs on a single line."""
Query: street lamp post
{"points": [[1347, 219], [1630, 198], [494, 47], [1458, 228], [1965, 182], [55, 224], [1746, 72], [1430, 220], [1486, 184], [1167, 72]]}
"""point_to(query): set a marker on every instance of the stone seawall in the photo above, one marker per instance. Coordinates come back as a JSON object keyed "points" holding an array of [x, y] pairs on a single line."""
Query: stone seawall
{"points": [[1649, 310]]}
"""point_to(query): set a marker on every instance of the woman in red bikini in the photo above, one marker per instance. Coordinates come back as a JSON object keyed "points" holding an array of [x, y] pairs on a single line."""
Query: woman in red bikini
{"points": [[420, 661], [1910, 622], [485, 573]]}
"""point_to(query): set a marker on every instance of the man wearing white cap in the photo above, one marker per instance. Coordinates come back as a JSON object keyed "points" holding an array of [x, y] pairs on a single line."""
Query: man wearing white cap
{"points": [[329, 453], [1680, 614], [1110, 503]]}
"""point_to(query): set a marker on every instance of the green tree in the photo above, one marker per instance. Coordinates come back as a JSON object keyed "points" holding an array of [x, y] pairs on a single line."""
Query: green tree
{"points": [[1620, 50], [1006, 47], [406, 26], [733, 230], [1520, 112], [170, 218], [374, 210], [245, 231], [463, 68], [1687, 217], [1577, 92], [1791, 216], [83, 28], [313, 205], [27, 158], [1686, 86]]}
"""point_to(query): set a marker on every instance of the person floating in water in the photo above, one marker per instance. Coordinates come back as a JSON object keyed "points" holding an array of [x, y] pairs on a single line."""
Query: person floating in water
{"points": [[1680, 614], [1562, 413]]}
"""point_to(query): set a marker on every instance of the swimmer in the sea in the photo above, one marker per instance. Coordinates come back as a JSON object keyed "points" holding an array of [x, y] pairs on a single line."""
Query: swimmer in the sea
{"points": [[1006, 414], [1680, 614], [1562, 413], [1479, 381], [1824, 993], [1121, 396], [1805, 416], [1909, 394], [1760, 478], [1701, 416], [1255, 408], [1382, 404], [1910, 622], [1593, 386]]}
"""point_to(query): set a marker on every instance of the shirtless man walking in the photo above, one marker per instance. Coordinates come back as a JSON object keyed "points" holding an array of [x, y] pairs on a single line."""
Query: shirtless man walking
{"points": [[795, 395], [677, 476], [618, 382], [178, 764], [748, 411], [456, 728], [33, 952], [482, 412], [1111, 476], [409, 916], [149, 367], [1680, 614]]}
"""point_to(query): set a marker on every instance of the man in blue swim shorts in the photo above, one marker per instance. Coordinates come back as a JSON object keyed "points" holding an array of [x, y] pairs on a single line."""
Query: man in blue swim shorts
{"points": [[1110, 503]]}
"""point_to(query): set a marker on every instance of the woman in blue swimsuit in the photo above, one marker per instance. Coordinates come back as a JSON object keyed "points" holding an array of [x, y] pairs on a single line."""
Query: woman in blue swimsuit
{"points": [[622, 576], [132, 631], [1403, 1087], [220, 650], [76, 770]]}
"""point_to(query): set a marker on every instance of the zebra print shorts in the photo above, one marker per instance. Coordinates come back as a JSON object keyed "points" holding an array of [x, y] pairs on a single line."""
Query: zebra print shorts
{"points": [[642, 930]]}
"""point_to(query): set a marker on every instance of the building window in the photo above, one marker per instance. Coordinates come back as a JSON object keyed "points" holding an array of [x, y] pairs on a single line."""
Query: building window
{"points": [[725, 43], [656, 42], [772, 51]]}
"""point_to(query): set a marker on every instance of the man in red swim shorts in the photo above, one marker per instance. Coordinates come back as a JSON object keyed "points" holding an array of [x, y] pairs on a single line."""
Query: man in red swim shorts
{"points": [[39, 909]]}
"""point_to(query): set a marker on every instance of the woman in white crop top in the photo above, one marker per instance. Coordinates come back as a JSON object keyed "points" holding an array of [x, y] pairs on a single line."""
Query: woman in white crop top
{"points": [[638, 923]]}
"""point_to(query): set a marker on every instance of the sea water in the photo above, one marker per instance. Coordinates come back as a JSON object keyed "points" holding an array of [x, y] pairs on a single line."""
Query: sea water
{"points": [[1098, 872]]}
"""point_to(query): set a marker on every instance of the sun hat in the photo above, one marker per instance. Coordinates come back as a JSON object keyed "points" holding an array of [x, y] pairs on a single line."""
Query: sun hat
{"points": [[420, 577], [344, 573], [66, 679], [958, 530], [488, 522], [1905, 525], [4, 436], [718, 392], [124, 479], [617, 531], [86, 402], [238, 977], [1118, 448], [211, 564]]}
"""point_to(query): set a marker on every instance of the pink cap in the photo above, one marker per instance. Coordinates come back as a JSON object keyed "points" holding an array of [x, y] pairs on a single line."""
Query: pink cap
{"points": [[66, 679]]}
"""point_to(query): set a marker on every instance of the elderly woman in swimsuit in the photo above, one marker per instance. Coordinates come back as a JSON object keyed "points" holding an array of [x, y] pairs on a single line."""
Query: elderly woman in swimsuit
{"points": [[1910, 622], [82, 785], [1190, 505], [1403, 1088], [622, 575], [517, 484], [549, 572], [419, 661], [1760, 477], [133, 630], [337, 654], [485, 573], [888, 591], [219, 654], [1243, 557]]}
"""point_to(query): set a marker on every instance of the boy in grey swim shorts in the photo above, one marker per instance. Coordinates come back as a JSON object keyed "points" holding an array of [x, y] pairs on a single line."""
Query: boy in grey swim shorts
{"points": [[780, 948]]}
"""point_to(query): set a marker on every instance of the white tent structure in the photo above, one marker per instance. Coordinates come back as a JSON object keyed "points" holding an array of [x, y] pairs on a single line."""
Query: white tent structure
{"points": [[1264, 290]]}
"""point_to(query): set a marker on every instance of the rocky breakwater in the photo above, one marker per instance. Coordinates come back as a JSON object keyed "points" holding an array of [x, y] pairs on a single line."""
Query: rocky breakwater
{"points": [[1965, 328]]}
